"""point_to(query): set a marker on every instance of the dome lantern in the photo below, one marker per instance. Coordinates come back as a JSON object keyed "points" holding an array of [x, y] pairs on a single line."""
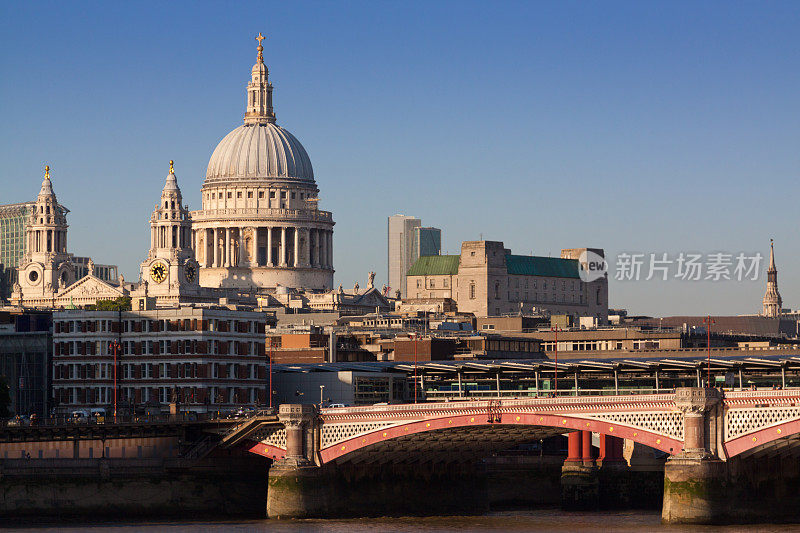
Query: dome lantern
{"points": [[259, 91]]}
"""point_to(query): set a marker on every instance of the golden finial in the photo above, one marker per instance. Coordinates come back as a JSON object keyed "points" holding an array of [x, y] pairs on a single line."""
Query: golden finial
{"points": [[47, 172], [260, 47], [171, 170]]}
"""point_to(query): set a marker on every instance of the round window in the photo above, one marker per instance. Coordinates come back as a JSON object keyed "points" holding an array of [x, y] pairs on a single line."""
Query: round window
{"points": [[33, 276]]}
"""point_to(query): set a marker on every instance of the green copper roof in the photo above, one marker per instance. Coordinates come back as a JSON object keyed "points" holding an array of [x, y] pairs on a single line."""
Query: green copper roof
{"points": [[435, 265], [519, 265], [555, 267]]}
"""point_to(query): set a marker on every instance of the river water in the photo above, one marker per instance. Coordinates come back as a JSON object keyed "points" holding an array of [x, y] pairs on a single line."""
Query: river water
{"points": [[538, 521]]}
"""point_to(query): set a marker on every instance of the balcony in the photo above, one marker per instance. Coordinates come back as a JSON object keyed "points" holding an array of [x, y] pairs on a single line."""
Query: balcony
{"points": [[253, 213]]}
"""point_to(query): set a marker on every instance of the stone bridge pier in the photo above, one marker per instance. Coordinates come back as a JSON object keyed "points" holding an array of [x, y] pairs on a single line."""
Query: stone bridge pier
{"points": [[694, 479], [294, 488]]}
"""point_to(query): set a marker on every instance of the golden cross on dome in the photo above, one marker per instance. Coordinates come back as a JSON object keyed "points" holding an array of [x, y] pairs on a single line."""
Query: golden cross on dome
{"points": [[260, 47], [171, 170], [47, 172]]}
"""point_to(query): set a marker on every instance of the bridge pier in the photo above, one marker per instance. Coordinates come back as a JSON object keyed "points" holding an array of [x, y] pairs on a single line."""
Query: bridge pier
{"points": [[579, 481], [695, 480], [294, 488]]}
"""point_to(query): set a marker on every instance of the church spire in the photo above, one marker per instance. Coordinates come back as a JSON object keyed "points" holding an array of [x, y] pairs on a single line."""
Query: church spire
{"points": [[259, 91], [772, 302], [772, 258]]}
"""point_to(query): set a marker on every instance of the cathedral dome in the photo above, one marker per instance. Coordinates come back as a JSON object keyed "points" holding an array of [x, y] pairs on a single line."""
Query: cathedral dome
{"points": [[259, 151]]}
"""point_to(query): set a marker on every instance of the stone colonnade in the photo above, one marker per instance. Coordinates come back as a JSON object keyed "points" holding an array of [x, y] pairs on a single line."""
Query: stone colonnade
{"points": [[260, 246], [169, 236], [47, 240]]}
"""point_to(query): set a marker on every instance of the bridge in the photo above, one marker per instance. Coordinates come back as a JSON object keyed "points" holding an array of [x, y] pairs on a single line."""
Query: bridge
{"points": [[731, 455], [701, 429]]}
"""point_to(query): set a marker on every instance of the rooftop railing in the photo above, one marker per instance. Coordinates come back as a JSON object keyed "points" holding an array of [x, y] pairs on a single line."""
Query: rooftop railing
{"points": [[268, 212]]}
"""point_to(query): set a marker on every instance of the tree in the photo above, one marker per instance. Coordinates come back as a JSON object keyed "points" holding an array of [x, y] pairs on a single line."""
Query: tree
{"points": [[122, 303], [5, 398]]}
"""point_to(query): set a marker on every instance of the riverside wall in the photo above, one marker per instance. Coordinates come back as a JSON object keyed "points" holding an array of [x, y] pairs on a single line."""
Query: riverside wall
{"points": [[97, 488]]}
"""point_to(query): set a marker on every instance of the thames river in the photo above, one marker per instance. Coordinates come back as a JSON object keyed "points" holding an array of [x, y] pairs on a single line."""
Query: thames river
{"points": [[538, 521]]}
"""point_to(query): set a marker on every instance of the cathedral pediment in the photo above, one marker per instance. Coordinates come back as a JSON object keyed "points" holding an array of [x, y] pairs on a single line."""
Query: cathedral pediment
{"points": [[91, 287], [372, 297]]}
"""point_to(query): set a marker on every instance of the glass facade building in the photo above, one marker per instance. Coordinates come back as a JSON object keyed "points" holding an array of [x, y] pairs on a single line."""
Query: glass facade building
{"points": [[13, 222]]}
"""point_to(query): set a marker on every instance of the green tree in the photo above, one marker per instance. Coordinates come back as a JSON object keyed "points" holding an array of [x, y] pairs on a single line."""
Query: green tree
{"points": [[123, 303]]}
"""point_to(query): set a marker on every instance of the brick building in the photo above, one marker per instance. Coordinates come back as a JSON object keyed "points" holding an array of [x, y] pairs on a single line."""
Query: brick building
{"points": [[205, 358]]}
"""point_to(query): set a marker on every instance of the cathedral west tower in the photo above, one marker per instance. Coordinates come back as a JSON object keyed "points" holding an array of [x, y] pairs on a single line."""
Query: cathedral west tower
{"points": [[169, 273], [260, 225], [46, 266]]}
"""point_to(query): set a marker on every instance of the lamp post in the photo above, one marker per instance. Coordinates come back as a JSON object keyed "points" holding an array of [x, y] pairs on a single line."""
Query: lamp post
{"points": [[556, 329], [270, 371], [415, 365], [708, 321], [114, 346]]}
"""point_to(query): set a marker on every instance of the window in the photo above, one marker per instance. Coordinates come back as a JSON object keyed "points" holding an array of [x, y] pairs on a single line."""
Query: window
{"points": [[249, 194], [230, 195], [444, 282], [239, 194], [261, 194], [272, 194], [292, 196], [432, 285], [283, 195], [497, 290], [472, 291], [419, 283]]}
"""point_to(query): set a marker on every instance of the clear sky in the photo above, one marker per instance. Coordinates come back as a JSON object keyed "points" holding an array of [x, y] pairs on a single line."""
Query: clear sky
{"points": [[651, 127]]}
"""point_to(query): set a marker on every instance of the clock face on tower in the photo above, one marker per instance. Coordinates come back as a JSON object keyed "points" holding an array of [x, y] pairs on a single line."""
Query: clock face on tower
{"points": [[158, 272], [190, 272]]}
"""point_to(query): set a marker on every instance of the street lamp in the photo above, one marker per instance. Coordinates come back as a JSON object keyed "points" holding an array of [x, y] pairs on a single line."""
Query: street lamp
{"points": [[114, 346], [708, 321], [415, 365], [270, 371]]}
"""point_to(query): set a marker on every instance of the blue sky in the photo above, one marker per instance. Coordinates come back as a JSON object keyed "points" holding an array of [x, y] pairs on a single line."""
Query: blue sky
{"points": [[632, 126]]}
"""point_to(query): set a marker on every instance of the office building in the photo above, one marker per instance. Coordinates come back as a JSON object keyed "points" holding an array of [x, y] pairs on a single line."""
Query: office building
{"points": [[407, 242]]}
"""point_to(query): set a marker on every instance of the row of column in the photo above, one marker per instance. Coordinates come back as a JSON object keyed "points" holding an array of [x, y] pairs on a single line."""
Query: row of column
{"points": [[47, 240], [295, 247], [169, 236], [579, 448]]}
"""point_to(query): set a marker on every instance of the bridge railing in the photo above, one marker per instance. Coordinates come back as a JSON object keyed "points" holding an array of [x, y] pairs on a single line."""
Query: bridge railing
{"points": [[66, 421], [463, 403], [541, 393]]}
